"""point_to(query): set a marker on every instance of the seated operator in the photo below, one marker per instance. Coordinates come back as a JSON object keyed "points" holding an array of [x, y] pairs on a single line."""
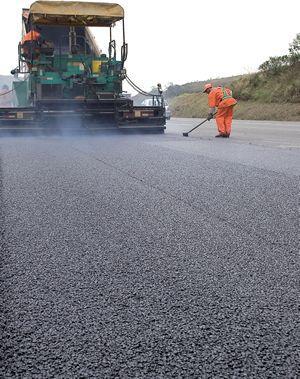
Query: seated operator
{"points": [[31, 43]]}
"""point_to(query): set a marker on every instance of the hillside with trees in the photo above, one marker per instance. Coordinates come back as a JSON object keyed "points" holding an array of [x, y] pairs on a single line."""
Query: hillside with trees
{"points": [[271, 93]]}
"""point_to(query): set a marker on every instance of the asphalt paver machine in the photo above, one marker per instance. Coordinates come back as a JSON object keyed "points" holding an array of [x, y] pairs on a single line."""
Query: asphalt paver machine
{"points": [[63, 75]]}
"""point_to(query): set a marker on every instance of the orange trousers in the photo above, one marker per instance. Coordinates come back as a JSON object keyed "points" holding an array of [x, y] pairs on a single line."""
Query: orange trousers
{"points": [[224, 119]]}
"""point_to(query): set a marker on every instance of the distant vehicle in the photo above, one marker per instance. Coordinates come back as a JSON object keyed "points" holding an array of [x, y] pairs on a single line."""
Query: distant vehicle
{"points": [[154, 102]]}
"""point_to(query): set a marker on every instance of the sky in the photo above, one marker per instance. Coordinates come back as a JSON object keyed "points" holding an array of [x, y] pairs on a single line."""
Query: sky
{"points": [[184, 41]]}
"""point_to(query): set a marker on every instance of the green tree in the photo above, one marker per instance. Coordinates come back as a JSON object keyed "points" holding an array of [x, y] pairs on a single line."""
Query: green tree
{"points": [[294, 50], [275, 65]]}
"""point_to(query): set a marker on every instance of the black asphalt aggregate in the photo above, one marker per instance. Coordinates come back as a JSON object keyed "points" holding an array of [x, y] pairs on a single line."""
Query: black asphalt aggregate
{"points": [[150, 256]]}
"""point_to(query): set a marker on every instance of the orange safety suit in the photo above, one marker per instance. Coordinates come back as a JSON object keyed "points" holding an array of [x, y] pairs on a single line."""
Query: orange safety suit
{"points": [[30, 46], [33, 35], [221, 98]]}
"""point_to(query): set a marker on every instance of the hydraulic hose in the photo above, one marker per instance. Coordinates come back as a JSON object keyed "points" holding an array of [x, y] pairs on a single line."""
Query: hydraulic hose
{"points": [[138, 89]]}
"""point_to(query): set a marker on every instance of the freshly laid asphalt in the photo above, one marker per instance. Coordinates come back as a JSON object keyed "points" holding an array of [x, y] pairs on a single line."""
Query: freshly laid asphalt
{"points": [[151, 256]]}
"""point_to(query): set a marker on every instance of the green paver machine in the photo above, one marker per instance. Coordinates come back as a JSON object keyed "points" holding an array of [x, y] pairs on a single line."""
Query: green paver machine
{"points": [[62, 73]]}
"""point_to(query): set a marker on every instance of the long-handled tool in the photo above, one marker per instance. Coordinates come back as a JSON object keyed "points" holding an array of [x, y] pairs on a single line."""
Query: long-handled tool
{"points": [[186, 134]]}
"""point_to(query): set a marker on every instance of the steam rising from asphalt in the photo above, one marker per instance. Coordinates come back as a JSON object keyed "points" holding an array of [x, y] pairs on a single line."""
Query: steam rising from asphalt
{"points": [[67, 128]]}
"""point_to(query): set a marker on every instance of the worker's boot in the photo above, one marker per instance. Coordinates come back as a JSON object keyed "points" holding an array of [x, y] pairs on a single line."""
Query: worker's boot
{"points": [[227, 135], [220, 135]]}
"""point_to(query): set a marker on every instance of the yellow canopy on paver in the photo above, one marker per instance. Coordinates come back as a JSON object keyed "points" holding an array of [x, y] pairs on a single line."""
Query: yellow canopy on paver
{"points": [[75, 13]]}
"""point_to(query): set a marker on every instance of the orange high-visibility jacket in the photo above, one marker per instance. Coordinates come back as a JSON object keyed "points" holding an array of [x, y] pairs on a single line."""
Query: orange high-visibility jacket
{"points": [[221, 97], [33, 35]]}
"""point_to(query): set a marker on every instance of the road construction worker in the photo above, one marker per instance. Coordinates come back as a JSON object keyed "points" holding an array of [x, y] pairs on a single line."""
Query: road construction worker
{"points": [[31, 44], [220, 97]]}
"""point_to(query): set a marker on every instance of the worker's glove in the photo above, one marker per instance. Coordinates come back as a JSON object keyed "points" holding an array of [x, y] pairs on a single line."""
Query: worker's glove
{"points": [[210, 116]]}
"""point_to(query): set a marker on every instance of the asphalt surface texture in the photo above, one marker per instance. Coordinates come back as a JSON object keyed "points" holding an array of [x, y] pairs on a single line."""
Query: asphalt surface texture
{"points": [[151, 256]]}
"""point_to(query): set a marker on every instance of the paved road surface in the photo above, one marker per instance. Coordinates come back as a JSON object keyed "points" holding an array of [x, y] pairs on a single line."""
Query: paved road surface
{"points": [[151, 256]]}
